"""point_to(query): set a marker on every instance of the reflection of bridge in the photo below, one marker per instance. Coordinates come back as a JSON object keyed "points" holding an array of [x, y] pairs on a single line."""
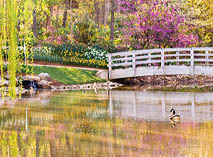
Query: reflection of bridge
{"points": [[169, 61], [156, 105]]}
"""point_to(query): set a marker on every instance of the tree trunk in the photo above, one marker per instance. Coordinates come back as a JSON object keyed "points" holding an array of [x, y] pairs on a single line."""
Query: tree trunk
{"points": [[37, 144], [49, 16], [65, 13], [57, 19], [118, 7], [35, 28], [97, 12], [112, 20], [71, 18], [105, 12]]}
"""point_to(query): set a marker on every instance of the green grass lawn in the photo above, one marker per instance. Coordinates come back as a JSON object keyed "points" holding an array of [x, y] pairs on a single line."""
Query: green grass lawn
{"points": [[69, 75]]}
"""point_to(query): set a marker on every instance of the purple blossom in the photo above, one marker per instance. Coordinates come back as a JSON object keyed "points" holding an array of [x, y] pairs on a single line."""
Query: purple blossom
{"points": [[154, 24]]}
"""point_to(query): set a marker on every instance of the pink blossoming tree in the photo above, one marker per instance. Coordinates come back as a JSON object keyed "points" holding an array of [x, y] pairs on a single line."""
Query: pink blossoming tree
{"points": [[154, 23]]}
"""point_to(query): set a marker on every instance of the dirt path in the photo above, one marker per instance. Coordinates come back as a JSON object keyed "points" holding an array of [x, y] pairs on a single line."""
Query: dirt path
{"points": [[36, 63]]}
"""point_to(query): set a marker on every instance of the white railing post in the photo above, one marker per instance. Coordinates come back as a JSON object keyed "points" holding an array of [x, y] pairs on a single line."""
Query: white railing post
{"points": [[192, 60], [110, 66], [177, 57], [126, 61], [133, 62], [207, 56], [149, 59], [162, 61]]}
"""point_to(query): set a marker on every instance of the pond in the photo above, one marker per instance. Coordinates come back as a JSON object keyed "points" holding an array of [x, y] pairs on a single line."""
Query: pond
{"points": [[107, 123]]}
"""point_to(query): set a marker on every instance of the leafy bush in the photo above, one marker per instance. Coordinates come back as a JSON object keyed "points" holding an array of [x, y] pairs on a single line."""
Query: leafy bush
{"points": [[61, 49], [72, 55], [84, 31]]}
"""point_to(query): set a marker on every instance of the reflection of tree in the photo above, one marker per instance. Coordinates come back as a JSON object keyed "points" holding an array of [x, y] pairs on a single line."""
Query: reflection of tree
{"points": [[37, 144], [122, 137]]}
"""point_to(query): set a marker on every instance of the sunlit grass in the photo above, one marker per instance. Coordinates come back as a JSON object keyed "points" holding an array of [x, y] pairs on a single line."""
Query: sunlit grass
{"points": [[69, 75]]}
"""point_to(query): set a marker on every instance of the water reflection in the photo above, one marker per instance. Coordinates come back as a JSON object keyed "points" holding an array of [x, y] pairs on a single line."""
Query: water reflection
{"points": [[156, 105], [107, 123]]}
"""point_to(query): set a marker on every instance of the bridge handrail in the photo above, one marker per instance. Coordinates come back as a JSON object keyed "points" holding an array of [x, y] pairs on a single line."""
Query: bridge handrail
{"points": [[161, 57], [159, 50]]}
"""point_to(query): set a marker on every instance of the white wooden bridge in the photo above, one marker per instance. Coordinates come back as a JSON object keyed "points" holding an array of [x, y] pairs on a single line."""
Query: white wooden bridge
{"points": [[168, 61]]}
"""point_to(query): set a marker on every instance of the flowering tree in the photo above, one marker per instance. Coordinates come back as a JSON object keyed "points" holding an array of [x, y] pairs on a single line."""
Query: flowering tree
{"points": [[154, 24]]}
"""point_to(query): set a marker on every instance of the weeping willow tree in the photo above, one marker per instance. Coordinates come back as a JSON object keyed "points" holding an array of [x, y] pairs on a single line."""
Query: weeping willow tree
{"points": [[2, 41], [10, 37], [11, 33]]}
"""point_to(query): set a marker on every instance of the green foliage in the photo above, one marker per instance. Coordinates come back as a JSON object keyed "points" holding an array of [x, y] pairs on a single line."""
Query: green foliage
{"points": [[90, 34], [84, 31], [102, 39]]}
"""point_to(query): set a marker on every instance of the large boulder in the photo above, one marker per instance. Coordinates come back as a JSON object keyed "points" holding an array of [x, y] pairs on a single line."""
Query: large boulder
{"points": [[31, 78], [44, 76]]}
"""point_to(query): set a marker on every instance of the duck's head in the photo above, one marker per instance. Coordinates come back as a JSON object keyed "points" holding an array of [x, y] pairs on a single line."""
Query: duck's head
{"points": [[173, 111]]}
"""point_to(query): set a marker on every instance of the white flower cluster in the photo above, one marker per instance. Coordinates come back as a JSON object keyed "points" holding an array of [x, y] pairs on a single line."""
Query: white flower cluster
{"points": [[42, 50], [95, 53]]}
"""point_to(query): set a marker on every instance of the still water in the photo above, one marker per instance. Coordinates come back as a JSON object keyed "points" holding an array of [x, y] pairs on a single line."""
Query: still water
{"points": [[107, 123]]}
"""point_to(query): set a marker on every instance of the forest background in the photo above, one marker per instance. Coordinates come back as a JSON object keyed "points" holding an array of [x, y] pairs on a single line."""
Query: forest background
{"points": [[98, 22], [82, 32]]}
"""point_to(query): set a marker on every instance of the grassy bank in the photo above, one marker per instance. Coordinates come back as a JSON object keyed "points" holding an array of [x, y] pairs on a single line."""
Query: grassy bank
{"points": [[69, 75]]}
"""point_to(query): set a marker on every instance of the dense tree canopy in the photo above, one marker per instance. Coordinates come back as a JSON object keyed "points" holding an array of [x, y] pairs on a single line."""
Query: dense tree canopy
{"points": [[139, 24]]}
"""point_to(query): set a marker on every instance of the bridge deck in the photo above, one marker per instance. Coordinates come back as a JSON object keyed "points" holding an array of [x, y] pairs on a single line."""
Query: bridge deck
{"points": [[170, 61]]}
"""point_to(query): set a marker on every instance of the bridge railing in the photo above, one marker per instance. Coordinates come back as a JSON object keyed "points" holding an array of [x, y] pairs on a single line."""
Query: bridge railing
{"points": [[160, 58]]}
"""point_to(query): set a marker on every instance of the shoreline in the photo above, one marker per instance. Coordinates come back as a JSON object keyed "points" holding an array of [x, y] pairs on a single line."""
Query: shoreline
{"points": [[83, 87], [169, 83]]}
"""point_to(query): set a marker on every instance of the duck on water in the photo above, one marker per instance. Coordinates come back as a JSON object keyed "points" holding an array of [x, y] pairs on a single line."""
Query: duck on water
{"points": [[174, 118]]}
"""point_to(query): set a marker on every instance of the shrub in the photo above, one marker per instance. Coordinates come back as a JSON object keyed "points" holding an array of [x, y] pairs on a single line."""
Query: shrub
{"points": [[72, 55]]}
